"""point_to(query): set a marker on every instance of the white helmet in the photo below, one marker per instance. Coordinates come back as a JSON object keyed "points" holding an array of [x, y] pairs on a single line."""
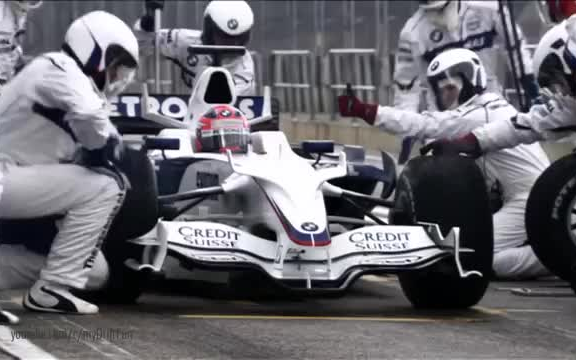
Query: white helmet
{"points": [[227, 23], [549, 62], [442, 13], [456, 76], [105, 48]]}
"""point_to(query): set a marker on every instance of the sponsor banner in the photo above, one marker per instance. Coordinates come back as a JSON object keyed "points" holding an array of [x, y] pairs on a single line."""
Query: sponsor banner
{"points": [[386, 238], [176, 106], [208, 237], [205, 235]]}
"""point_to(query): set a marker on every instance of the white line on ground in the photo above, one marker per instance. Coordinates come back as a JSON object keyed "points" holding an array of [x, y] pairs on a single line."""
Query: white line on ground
{"points": [[21, 348]]}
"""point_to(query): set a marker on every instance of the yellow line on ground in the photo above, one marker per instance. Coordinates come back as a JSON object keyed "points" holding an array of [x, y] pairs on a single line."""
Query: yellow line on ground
{"points": [[329, 318]]}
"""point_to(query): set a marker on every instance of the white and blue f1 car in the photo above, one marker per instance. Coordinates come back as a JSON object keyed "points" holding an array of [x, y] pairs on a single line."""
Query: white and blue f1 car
{"points": [[293, 213]]}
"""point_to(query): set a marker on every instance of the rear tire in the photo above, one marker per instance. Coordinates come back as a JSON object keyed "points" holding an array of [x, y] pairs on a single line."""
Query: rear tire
{"points": [[449, 191], [550, 216]]}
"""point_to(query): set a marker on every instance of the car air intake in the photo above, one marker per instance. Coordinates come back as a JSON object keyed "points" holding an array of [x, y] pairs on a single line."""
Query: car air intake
{"points": [[218, 90]]}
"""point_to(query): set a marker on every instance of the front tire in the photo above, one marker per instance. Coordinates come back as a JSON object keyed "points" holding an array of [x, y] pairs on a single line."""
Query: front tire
{"points": [[449, 191], [551, 218]]}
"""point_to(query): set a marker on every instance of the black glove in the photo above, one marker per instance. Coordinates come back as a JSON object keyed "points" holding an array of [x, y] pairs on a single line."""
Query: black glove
{"points": [[108, 155], [106, 160], [467, 145]]}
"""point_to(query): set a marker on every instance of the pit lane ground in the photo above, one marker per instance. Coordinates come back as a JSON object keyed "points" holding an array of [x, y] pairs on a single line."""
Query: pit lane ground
{"points": [[372, 321]]}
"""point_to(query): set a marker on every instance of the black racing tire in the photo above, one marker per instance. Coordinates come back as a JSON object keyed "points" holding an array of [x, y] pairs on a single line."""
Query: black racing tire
{"points": [[137, 216], [124, 285], [449, 191], [549, 217]]}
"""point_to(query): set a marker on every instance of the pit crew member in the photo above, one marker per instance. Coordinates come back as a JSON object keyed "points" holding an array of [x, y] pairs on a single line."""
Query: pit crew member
{"points": [[553, 118], [57, 147], [225, 23], [459, 83], [13, 17], [439, 25]]}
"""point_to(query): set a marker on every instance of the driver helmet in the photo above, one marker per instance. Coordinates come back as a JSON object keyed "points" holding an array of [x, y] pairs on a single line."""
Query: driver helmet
{"points": [[222, 128], [227, 23], [442, 13], [555, 11], [456, 76], [106, 50]]}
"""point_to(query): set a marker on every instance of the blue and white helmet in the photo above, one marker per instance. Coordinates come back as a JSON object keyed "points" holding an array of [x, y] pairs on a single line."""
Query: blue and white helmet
{"points": [[105, 48]]}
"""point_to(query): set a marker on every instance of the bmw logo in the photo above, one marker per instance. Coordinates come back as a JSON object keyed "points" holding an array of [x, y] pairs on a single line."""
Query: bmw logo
{"points": [[225, 113], [309, 226], [434, 65], [436, 35], [232, 24]]}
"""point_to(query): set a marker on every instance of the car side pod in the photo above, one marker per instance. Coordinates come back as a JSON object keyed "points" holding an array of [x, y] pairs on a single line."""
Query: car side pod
{"points": [[452, 240]]}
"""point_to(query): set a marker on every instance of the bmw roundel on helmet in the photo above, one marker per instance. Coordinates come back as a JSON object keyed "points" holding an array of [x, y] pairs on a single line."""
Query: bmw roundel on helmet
{"points": [[456, 76], [227, 23], [106, 50], [222, 128], [554, 11]]}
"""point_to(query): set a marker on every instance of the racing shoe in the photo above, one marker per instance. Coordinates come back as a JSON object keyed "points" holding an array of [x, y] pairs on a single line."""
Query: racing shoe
{"points": [[47, 297], [8, 318]]}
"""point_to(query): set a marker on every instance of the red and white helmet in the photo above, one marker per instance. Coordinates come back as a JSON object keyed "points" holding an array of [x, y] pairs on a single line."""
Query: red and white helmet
{"points": [[222, 128], [555, 11]]}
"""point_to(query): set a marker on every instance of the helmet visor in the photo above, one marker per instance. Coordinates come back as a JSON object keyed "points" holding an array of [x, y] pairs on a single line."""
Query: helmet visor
{"points": [[118, 77], [221, 38], [120, 71], [220, 140]]}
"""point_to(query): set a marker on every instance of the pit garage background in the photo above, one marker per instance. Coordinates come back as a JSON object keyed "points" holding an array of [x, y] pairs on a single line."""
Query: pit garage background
{"points": [[305, 50]]}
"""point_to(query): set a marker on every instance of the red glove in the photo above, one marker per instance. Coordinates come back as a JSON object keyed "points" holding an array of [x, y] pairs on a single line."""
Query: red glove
{"points": [[467, 145], [350, 105]]}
